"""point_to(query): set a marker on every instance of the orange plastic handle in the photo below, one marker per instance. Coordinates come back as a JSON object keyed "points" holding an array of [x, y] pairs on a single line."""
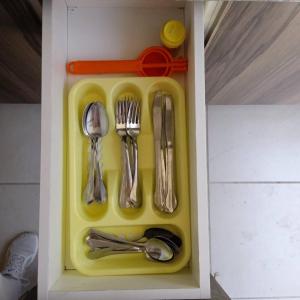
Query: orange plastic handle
{"points": [[103, 66], [122, 66]]}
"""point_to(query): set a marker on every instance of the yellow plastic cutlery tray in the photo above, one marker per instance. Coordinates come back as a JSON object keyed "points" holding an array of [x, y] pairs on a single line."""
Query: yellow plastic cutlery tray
{"points": [[129, 223]]}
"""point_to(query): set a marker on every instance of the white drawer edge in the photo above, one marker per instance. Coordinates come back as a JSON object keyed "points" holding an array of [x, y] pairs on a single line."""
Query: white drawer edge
{"points": [[128, 294]]}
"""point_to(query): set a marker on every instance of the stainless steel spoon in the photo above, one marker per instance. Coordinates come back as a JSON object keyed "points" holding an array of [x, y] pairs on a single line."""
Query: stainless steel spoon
{"points": [[165, 235], [160, 233], [95, 126], [154, 249]]}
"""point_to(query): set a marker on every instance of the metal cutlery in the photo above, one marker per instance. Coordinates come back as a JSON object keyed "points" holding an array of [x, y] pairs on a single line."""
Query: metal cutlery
{"points": [[171, 201], [133, 127], [95, 126], [163, 124], [160, 244], [169, 237], [126, 180], [159, 157], [154, 249], [128, 125]]}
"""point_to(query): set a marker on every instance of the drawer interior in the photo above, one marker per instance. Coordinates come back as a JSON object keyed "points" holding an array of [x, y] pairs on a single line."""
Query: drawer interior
{"points": [[121, 30]]}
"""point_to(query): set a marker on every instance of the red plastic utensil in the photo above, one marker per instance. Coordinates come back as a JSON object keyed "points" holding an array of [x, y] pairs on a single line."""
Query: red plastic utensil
{"points": [[153, 61]]}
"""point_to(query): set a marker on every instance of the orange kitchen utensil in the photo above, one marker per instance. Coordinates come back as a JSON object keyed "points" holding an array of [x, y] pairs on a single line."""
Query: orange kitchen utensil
{"points": [[153, 61]]}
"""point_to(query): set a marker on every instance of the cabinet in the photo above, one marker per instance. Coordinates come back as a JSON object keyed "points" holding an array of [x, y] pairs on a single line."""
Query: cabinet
{"points": [[90, 29]]}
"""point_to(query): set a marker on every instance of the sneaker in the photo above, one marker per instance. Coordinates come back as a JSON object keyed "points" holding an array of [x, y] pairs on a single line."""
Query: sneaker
{"points": [[21, 256]]}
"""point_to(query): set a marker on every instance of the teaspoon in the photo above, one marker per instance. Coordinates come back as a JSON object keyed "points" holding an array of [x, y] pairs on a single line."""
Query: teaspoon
{"points": [[95, 126], [154, 249]]}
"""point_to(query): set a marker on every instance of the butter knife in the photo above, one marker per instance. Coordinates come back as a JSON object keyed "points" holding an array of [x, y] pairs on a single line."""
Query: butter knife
{"points": [[171, 201], [159, 156]]}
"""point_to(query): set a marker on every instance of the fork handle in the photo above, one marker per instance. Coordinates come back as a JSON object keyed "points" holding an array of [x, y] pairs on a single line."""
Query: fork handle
{"points": [[126, 181], [133, 194]]}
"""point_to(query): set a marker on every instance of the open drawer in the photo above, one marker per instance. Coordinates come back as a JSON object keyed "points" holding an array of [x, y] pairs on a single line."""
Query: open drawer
{"points": [[120, 29]]}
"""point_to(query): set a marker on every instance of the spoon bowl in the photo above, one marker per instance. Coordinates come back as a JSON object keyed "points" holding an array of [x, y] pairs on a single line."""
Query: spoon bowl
{"points": [[83, 121], [158, 250], [95, 120], [165, 235]]}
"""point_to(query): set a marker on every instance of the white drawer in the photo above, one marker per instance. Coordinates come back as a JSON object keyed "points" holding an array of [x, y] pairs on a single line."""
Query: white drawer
{"points": [[91, 29]]}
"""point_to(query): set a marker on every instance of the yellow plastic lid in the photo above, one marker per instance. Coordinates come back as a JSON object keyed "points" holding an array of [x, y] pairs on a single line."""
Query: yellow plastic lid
{"points": [[173, 34]]}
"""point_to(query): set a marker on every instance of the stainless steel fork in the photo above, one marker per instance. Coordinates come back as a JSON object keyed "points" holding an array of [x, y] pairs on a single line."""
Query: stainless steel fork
{"points": [[133, 127], [121, 112]]}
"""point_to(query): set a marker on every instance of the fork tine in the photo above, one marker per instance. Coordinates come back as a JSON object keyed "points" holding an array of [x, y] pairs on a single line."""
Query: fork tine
{"points": [[117, 114], [123, 111], [129, 112], [126, 109], [119, 111], [131, 108], [139, 113], [135, 111]]}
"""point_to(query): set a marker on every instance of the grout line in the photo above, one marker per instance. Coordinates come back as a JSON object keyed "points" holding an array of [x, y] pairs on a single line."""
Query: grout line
{"points": [[19, 183], [254, 182], [267, 298]]}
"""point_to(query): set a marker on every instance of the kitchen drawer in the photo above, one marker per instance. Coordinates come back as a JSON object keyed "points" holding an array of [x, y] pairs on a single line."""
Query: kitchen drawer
{"points": [[91, 29]]}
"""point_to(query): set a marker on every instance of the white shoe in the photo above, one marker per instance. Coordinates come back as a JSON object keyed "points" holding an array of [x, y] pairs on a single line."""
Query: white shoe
{"points": [[21, 260]]}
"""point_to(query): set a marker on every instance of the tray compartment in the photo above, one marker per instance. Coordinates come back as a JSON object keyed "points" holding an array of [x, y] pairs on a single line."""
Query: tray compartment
{"points": [[133, 263], [180, 149], [86, 94], [118, 91]]}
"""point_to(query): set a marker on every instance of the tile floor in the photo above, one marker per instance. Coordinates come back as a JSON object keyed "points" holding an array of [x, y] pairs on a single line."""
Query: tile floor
{"points": [[19, 170], [268, 207], [19, 175]]}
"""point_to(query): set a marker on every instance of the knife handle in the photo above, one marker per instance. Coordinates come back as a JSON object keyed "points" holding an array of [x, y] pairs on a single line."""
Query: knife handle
{"points": [[159, 177], [171, 201]]}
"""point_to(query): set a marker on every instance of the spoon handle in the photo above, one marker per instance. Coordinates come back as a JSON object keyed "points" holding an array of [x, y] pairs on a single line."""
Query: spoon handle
{"points": [[95, 234], [99, 253], [89, 190], [99, 184], [104, 244], [97, 187]]}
